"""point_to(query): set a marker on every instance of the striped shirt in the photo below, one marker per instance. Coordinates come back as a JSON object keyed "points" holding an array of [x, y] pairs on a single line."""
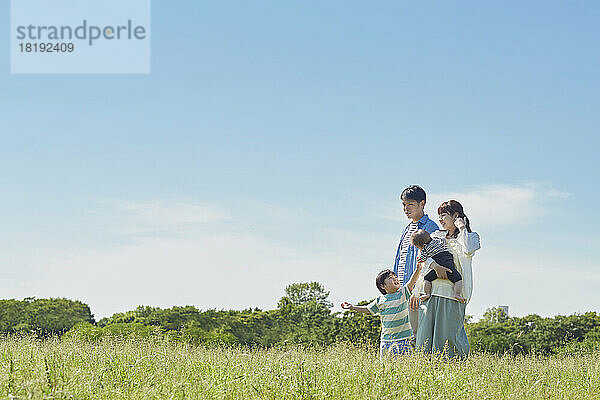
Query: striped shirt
{"points": [[404, 245], [433, 248], [392, 309]]}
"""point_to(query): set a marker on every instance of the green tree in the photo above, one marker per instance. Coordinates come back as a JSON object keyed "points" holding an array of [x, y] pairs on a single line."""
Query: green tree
{"points": [[358, 328], [43, 316], [300, 293], [532, 333], [495, 315]]}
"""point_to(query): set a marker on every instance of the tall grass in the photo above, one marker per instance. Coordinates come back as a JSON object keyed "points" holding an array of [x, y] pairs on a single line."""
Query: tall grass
{"points": [[158, 369]]}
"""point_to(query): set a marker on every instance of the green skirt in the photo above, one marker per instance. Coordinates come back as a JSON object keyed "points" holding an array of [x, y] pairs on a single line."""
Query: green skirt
{"points": [[441, 328]]}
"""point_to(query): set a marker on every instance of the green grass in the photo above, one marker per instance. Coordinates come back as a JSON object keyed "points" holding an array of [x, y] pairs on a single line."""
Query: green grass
{"points": [[158, 369]]}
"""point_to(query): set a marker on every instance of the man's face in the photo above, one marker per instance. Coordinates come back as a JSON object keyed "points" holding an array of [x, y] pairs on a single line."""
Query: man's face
{"points": [[413, 209], [391, 284]]}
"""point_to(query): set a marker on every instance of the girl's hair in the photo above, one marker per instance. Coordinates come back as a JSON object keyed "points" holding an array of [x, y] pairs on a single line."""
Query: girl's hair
{"points": [[451, 207]]}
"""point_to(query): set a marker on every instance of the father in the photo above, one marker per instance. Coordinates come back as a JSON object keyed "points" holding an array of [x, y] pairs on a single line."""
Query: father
{"points": [[413, 200]]}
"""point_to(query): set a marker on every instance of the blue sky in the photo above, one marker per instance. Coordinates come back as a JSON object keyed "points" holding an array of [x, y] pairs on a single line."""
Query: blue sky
{"points": [[271, 140]]}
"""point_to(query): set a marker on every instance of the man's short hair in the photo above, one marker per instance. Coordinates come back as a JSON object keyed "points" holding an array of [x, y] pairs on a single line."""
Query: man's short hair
{"points": [[381, 277], [420, 238], [413, 192]]}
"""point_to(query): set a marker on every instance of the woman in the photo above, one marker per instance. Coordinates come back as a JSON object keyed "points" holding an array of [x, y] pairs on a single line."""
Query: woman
{"points": [[441, 317]]}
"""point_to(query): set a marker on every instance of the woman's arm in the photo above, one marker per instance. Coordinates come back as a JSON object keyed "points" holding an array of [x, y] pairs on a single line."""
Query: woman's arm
{"points": [[440, 270], [469, 241]]}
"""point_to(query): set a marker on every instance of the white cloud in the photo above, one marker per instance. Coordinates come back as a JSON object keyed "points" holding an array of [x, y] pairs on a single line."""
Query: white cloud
{"points": [[164, 216], [236, 271], [221, 271], [528, 282], [495, 205], [162, 213], [222, 261], [196, 254]]}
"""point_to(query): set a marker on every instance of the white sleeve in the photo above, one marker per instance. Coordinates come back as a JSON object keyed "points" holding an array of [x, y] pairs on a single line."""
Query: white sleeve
{"points": [[469, 241], [439, 234]]}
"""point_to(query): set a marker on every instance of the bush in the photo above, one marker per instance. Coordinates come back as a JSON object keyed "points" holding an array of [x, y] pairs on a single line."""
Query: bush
{"points": [[91, 333], [84, 331], [44, 317], [532, 333]]}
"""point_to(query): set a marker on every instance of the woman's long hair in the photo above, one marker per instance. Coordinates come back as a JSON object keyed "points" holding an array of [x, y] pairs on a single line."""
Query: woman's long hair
{"points": [[451, 207]]}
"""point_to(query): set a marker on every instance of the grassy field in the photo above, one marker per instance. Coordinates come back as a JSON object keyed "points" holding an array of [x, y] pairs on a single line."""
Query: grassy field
{"points": [[157, 369]]}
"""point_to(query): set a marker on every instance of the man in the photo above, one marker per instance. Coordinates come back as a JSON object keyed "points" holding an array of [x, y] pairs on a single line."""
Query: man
{"points": [[413, 200]]}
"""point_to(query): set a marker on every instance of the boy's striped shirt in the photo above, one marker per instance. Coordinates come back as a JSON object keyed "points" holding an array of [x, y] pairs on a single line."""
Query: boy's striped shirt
{"points": [[392, 309]]}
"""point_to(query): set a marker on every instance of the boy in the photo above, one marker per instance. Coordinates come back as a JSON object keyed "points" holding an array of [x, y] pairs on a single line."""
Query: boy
{"points": [[392, 307], [437, 250]]}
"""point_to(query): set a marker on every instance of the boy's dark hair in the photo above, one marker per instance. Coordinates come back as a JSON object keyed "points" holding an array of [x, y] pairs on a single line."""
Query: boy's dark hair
{"points": [[420, 238], [381, 277], [413, 192]]}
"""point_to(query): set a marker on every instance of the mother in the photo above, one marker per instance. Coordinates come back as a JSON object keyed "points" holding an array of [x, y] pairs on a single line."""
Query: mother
{"points": [[441, 317]]}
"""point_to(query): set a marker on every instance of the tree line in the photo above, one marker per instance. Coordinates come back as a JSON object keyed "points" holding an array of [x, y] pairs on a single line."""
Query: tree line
{"points": [[302, 316]]}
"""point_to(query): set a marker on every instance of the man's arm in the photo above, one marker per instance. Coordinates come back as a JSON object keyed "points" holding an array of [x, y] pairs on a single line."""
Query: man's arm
{"points": [[362, 309]]}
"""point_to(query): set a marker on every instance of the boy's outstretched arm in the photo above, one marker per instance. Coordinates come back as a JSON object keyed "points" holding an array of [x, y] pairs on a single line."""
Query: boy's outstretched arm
{"points": [[415, 276], [362, 309]]}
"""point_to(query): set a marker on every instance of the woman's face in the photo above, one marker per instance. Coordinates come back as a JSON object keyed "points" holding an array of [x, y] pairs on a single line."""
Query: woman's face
{"points": [[447, 221]]}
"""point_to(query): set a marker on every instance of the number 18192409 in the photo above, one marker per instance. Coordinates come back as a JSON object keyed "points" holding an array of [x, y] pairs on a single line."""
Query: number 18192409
{"points": [[47, 47]]}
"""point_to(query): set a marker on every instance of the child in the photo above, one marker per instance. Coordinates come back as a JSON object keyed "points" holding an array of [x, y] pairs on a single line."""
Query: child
{"points": [[392, 308], [437, 250]]}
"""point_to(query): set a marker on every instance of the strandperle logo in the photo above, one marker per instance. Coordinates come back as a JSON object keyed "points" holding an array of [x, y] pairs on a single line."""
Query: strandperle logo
{"points": [[80, 37], [85, 31]]}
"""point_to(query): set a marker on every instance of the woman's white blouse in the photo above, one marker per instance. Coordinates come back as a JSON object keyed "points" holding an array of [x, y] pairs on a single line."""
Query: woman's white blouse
{"points": [[462, 248]]}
